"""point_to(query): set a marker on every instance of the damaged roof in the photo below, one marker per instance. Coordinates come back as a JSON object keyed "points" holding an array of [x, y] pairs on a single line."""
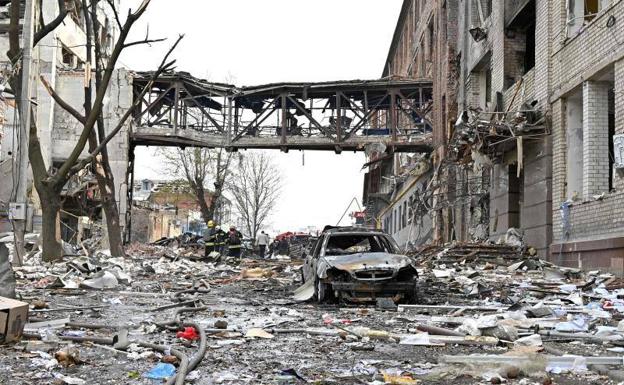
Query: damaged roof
{"points": [[197, 87]]}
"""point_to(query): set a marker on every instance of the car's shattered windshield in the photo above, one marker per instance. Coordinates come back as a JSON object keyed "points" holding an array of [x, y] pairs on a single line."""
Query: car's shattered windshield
{"points": [[342, 244]]}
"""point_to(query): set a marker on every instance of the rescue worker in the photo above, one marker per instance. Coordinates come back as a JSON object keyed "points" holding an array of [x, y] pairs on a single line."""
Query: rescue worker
{"points": [[273, 248], [210, 238], [282, 246], [262, 242], [221, 238], [234, 242]]}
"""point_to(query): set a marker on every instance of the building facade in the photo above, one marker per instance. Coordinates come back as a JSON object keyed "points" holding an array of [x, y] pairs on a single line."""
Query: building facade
{"points": [[527, 123], [587, 102], [60, 58], [491, 166], [504, 52]]}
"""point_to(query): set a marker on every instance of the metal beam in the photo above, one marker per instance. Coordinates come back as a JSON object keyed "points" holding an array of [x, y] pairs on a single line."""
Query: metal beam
{"points": [[284, 127], [152, 104], [338, 118]]}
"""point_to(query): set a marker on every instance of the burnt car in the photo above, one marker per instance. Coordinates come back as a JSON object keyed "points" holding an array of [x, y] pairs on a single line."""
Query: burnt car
{"points": [[357, 265]]}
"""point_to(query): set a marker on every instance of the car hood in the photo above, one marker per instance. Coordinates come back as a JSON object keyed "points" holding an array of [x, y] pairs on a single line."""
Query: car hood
{"points": [[362, 261]]}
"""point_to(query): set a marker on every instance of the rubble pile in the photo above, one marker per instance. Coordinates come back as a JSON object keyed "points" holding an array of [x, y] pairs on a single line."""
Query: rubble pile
{"points": [[469, 253], [486, 315]]}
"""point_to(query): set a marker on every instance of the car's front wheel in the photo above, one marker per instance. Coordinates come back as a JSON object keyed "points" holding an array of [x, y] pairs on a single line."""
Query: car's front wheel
{"points": [[412, 296], [322, 290]]}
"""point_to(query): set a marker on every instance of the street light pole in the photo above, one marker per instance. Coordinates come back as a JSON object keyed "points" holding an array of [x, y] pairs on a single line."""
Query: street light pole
{"points": [[19, 209]]}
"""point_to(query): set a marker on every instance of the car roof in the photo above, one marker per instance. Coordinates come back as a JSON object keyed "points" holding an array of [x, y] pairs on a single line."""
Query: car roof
{"points": [[350, 229]]}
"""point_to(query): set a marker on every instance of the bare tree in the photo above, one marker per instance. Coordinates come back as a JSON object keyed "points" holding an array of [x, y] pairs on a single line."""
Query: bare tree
{"points": [[199, 167], [255, 187], [48, 181]]}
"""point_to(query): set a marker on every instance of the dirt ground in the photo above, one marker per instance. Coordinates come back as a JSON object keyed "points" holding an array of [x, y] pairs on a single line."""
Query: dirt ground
{"points": [[232, 358]]}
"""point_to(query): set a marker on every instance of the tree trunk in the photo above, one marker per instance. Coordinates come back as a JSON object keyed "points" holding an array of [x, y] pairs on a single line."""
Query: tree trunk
{"points": [[206, 211], [214, 203], [101, 165], [51, 245], [106, 183]]}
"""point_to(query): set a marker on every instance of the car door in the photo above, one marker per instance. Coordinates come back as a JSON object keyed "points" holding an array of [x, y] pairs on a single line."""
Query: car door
{"points": [[309, 267]]}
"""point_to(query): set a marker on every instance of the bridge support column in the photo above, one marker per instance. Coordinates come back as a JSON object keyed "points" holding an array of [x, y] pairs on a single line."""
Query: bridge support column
{"points": [[284, 119], [393, 116]]}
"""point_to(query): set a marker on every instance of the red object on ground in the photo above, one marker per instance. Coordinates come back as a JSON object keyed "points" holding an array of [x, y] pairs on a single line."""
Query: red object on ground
{"points": [[189, 333]]}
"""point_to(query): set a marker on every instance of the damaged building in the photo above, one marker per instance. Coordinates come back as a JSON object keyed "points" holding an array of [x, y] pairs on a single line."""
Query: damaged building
{"points": [[587, 102], [526, 124], [60, 59], [500, 143], [168, 209]]}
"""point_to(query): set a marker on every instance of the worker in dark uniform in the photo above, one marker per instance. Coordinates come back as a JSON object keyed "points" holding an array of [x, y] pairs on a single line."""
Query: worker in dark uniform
{"points": [[221, 238], [273, 248], [282, 247], [234, 242], [210, 238]]}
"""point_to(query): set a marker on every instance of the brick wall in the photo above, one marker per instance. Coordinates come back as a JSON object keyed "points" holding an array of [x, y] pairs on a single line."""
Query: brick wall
{"points": [[543, 47], [618, 88], [586, 61], [430, 53], [594, 48], [595, 138], [596, 219]]}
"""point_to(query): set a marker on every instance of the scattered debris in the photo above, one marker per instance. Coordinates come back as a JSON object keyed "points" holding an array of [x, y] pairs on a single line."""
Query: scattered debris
{"points": [[161, 371], [492, 307]]}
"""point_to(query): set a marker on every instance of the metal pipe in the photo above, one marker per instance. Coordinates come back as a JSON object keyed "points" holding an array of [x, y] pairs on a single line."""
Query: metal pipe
{"points": [[434, 330]]}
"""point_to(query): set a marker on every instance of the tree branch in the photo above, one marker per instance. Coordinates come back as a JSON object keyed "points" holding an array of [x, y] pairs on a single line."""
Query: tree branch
{"points": [[164, 66], [14, 35], [114, 9], [145, 41], [41, 21], [64, 170], [64, 105], [51, 26]]}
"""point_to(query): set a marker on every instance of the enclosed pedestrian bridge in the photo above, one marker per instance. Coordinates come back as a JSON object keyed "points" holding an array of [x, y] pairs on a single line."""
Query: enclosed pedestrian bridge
{"points": [[182, 111]]}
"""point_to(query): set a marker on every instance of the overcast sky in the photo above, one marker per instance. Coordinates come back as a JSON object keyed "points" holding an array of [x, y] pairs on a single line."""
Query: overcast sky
{"points": [[252, 42]]}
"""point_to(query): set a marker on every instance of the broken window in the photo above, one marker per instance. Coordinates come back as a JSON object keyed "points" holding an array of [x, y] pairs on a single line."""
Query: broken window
{"points": [[421, 55], [483, 80], [592, 7], [393, 221], [514, 195], [581, 12], [431, 40], [68, 57], [611, 125], [405, 214], [488, 87], [520, 43], [344, 244]]}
